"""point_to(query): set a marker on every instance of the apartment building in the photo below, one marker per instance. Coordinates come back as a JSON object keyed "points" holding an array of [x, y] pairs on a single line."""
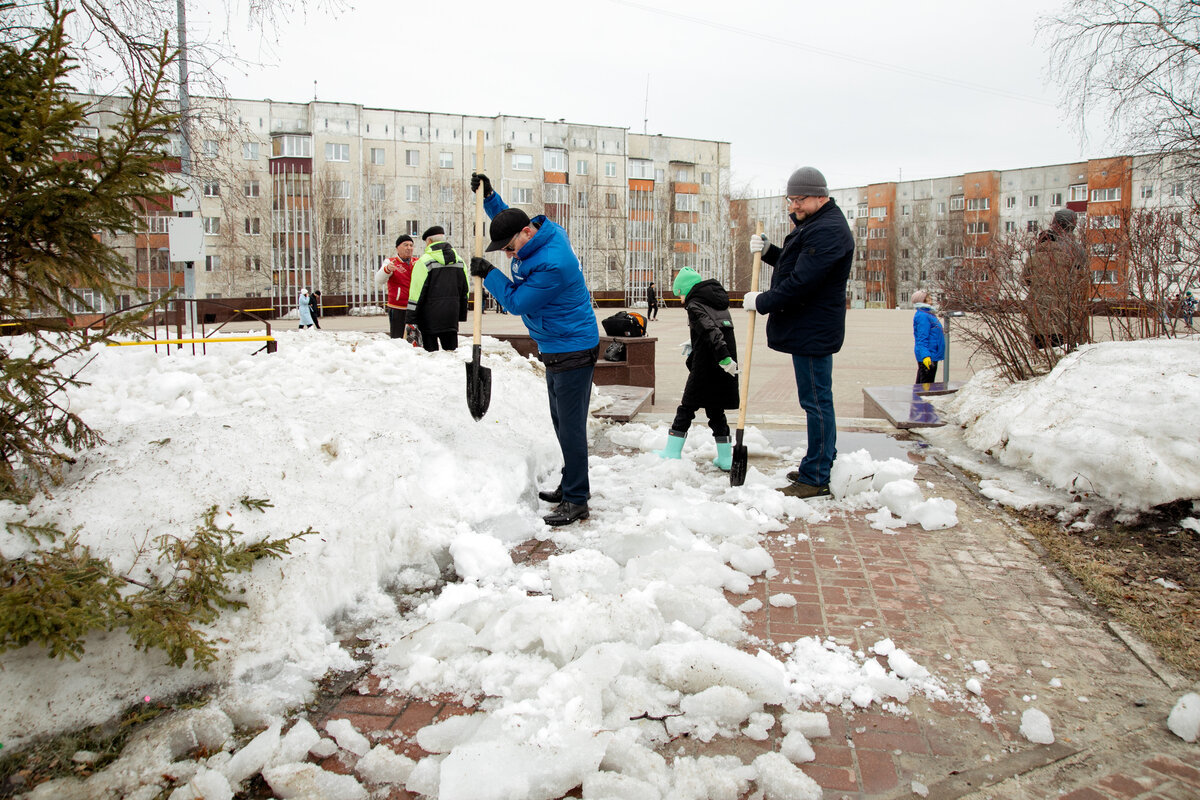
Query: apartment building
{"points": [[314, 194], [928, 233]]}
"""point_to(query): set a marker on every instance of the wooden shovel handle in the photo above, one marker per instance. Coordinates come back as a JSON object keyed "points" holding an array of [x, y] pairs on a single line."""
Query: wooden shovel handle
{"points": [[756, 266], [477, 320]]}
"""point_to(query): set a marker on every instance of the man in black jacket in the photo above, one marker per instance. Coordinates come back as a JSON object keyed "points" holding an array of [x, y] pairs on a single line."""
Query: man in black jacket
{"points": [[807, 308]]}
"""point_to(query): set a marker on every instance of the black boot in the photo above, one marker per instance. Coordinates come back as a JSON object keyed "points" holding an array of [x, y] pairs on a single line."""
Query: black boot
{"points": [[551, 496], [566, 513]]}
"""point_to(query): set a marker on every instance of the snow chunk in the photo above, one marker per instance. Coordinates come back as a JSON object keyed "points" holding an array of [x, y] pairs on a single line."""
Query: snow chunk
{"points": [[383, 765], [254, 756], [1184, 720], [695, 666], [206, 784], [477, 556], [813, 724], [614, 786], [974, 686], [781, 780], [347, 737], [310, 781], [500, 770], [296, 743], [796, 749], [1035, 726], [583, 571], [782, 600]]}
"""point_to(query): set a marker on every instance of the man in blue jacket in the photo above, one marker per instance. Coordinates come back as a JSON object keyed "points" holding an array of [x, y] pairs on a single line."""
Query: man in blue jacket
{"points": [[548, 290], [807, 308]]}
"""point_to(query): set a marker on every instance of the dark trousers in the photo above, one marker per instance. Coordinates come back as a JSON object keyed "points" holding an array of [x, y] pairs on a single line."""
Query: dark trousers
{"points": [[396, 320], [569, 393], [686, 413], [926, 375], [447, 339], [814, 385]]}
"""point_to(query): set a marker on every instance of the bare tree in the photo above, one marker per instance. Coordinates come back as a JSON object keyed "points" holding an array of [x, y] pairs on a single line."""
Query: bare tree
{"points": [[1140, 61]]}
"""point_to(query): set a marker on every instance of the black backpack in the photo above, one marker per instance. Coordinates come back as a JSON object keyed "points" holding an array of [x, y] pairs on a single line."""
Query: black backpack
{"points": [[624, 323]]}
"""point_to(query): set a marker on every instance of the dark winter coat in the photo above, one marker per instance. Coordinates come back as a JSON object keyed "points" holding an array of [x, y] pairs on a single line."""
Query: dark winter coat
{"points": [[437, 300], [807, 298], [711, 329], [651, 297]]}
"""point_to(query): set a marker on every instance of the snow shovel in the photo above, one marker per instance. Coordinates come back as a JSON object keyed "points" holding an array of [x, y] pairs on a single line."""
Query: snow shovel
{"points": [[479, 377], [738, 467]]}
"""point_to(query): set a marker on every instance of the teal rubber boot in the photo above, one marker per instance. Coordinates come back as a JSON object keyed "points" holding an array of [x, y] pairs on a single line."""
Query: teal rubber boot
{"points": [[674, 448], [724, 459]]}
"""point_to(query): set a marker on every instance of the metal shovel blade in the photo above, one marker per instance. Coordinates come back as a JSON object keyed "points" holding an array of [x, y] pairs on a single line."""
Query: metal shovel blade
{"points": [[479, 385], [739, 465]]}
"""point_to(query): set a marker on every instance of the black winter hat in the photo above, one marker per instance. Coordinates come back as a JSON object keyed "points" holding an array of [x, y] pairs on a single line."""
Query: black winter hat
{"points": [[402, 238], [434, 231], [505, 225]]}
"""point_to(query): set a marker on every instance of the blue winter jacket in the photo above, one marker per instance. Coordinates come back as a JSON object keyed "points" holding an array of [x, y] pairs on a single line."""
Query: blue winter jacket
{"points": [[807, 298], [929, 341], [547, 288]]}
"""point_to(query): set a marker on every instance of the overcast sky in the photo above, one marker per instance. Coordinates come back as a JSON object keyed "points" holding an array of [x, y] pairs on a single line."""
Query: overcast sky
{"points": [[870, 91]]}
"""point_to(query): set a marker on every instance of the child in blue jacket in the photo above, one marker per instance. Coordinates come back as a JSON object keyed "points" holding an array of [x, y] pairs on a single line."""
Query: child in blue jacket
{"points": [[929, 340]]}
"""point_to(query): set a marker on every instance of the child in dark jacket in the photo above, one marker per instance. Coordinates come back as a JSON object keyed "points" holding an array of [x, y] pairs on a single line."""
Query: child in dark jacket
{"points": [[711, 362]]}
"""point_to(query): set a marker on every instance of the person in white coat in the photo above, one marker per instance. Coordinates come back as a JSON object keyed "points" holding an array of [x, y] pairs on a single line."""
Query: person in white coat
{"points": [[306, 319]]}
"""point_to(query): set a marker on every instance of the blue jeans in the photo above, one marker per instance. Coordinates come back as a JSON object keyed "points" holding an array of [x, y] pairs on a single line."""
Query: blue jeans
{"points": [[570, 393], [814, 384]]}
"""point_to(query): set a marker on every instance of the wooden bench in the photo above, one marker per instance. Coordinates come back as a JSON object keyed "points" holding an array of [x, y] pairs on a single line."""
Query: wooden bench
{"points": [[906, 406]]}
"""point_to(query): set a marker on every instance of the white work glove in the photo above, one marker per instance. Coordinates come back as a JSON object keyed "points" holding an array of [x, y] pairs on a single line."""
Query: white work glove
{"points": [[685, 348], [758, 243], [729, 365], [749, 301]]}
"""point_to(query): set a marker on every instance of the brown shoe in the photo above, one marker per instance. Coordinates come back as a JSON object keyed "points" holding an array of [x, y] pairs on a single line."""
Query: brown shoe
{"points": [[805, 490]]}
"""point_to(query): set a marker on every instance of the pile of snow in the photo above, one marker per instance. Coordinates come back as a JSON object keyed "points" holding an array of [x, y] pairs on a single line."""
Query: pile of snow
{"points": [[580, 666], [1109, 421], [1184, 720]]}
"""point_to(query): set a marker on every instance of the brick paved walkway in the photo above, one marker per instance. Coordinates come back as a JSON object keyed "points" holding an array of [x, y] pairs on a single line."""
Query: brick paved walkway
{"points": [[978, 591]]}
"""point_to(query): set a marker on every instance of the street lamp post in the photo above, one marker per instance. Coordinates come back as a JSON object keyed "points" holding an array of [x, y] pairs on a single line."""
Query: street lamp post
{"points": [[947, 316]]}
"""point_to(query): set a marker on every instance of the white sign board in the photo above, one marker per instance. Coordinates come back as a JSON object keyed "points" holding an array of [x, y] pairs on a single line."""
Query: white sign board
{"points": [[187, 238], [189, 200]]}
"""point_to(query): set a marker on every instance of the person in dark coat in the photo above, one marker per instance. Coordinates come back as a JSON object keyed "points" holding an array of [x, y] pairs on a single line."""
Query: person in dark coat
{"points": [[437, 298], [807, 308], [1058, 302], [651, 302], [711, 362], [314, 304]]}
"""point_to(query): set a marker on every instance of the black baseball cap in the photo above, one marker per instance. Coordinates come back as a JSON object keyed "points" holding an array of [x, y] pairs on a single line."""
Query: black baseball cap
{"points": [[505, 225]]}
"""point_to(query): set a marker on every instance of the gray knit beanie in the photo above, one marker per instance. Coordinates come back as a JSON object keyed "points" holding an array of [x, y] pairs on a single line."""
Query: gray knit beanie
{"points": [[807, 182]]}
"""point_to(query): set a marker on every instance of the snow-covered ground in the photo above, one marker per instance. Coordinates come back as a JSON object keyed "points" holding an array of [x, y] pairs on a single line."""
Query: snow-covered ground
{"points": [[370, 443]]}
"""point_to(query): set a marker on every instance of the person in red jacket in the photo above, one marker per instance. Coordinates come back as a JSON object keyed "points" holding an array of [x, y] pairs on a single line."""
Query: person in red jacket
{"points": [[396, 274]]}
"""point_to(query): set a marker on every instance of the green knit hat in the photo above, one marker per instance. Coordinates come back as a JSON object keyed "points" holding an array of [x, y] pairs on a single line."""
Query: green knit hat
{"points": [[685, 280]]}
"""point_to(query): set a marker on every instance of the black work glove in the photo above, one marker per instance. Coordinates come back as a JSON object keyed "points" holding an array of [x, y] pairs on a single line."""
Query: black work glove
{"points": [[478, 178], [480, 267]]}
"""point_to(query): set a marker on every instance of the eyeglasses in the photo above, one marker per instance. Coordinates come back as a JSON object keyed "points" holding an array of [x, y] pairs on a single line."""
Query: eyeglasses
{"points": [[510, 248], [795, 201]]}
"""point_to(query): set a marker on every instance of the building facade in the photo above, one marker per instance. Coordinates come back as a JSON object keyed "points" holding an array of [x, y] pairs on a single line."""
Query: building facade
{"points": [[296, 195], [925, 234]]}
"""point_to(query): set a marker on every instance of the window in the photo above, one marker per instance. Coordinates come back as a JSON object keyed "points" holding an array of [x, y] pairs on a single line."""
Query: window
{"points": [[685, 202], [706, 179], [339, 189], [1078, 192], [1010, 202], [555, 194], [706, 206], [211, 148], [412, 158], [212, 226], [297, 146], [381, 227], [581, 199], [338, 226], [1056, 199], [976, 252], [581, 167], [212, 188], [979, 204], [683, 174], [683, 231], [1104, 250], [523, 194], [250, 151], [254, 263], [340, 262], [941, 208], [640, 168], [445, 160], [378, 157], [610, 169], [1010, 226], [337, 152], [877, 255], [1031, 226], [1104, 276], [904, 254], [1107, 222], [413, 227], [905, 211], [446, 195], [250, 188], [412, 193], [554, 160], [1032, 201], [1147, 190], [212, 263], [879, 212], [877, 233], [377, 192], [610, 200], [253, 226], [976, 228], [156, 223], [1106, 195], [956, 203], [1176, 189]]}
